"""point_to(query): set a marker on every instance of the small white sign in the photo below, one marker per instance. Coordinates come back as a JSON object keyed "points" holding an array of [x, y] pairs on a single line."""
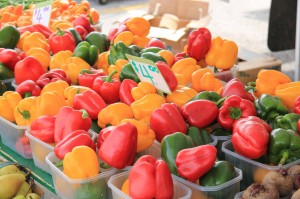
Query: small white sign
{"points": [[42, 13]]}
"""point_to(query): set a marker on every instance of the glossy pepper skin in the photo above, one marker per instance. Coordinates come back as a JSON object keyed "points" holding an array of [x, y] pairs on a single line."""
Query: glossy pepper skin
{"points": [[25, 111], [28, 88], [43, 128], [52, 76], [118, 51], [8, 101], [87, 52], [86, 77], [208, 95], [90, 101], [10, 36], [119, 148], [77, 120], [250, 137], [269, 107], [9, 57], [98, 39], [181, 95], [233, 108], [236, 87], [127, 72], [287, 121], [297, 105], [193, 163], [288, 93], [171, 145], [167, 119], [150, 178], [199, 136], [61, 40], [45, 105], [199, 42], [125, 91], [200, 113], [142, 89], [283, 146], [76, 35], [36, 28], [168, 75], [5, 72], [73, 139], [153, 57]]}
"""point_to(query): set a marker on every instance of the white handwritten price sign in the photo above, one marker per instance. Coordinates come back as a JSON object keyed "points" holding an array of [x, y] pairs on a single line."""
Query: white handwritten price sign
{"points": [[147, 71], [42, 12]]}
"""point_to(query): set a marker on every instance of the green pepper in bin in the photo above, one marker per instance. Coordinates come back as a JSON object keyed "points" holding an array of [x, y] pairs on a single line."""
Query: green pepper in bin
{"points": [[127, 72], [3, 88], [92, 190], [87, 52], [10, 36], [288, 121], [199, 136], [5, 72], [119, 51], [153, 57]]}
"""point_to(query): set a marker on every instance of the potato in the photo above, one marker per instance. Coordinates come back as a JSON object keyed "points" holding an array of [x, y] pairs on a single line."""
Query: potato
{"points": [[296, 195], [261, 191], [294, 171]]}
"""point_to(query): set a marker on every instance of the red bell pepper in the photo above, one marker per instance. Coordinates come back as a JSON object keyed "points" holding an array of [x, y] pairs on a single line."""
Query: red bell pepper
{"points": [[9, 57], [179, 56], [154, 42], [297, 105], [125, 91], [150, 178], [119, 148], [233, 108], [117, 29], [68, 120], [108, 87], [250, 137], [168, 74], [199, 42], [82, 21], [200, 113], [82, 31], [236, 87], [73, 139], [36, 28], [61, 40], [86, 77], [52, 76], [28, 88], [28, 68], [43, 128], [193, 163], [103, 134], [166, 120], [90, 101]]}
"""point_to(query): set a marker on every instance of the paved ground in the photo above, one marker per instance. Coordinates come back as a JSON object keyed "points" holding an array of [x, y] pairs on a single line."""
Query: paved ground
{"points": [[243, 21]]}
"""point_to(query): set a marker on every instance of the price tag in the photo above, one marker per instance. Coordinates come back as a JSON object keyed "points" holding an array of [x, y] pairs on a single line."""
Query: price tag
{"points": [[147, 71], [42, 12]]}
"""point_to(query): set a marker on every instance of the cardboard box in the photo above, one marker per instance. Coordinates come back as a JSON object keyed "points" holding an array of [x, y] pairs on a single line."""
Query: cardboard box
{"points": [[251, 63]]}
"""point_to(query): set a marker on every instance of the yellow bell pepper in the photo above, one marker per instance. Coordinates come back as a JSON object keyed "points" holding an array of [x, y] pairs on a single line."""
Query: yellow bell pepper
{"points": [[183, 70], [102, 62], [60, 59], [58, 86], [71, 91], [81, 163], [268, 80], [117, 66], [49, 103], [34, 40], [205, 80], [181, 95], [126, 37], [196, 78], [113, 114], [288, 93], [222, 54], [146, 136], [42, 55], [143, 107], [8, 101], [142, 89], [25, 111], [73, 67]]}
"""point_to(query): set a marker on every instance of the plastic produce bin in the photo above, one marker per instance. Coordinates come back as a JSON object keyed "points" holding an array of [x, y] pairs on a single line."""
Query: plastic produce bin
{"points": [[226, 190], [90, 188], [41, 149], [253, 171], [154, 150], [221, 140], [8, 83], [240, 194], [116, 181], [13, 136]]}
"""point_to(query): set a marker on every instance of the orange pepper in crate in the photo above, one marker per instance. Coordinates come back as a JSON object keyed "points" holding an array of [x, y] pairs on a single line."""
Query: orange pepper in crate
{"points": [[71, 91], [45, 105], [142, 89], [73, 66], [222, 54], [117, 66], [181, 95], [288, 93], [138, 26], [60, 59], [42, 55], [113, 114], [183, 70], [58, 86], [8, 101], [25, 111]]}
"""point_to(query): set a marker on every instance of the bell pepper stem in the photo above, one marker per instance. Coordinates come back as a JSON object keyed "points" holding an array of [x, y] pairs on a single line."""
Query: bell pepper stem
{"points": [[285, 156], [220, 102], [60, 32], [58, 164], [84, 114], [251, 86], [272, 115], [109, 77], [235, 112], [86, 71], [27, 94], [104, 165], [25, 114]]}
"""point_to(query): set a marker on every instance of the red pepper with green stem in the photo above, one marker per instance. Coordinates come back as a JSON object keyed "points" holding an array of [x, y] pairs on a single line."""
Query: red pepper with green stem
{"points": [[125, 91], [236, 87], [43, 128], [28, 88], [61, 40], [234, 108], [199, 42], [86, 77], [108, 87]]}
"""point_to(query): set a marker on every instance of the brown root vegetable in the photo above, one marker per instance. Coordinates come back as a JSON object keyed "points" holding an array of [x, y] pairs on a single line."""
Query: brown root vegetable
{"points": [[261, 191], [294, 171], [296, 195], [281, 180]]}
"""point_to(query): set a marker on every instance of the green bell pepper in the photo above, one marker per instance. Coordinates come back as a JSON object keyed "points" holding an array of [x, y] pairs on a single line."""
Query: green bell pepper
{"points": [[199, 136], [3, 88], [87, 52], [136, 50], [208, 95], [97, 189], [171, 145], [127, 72], [118, 51], [10, 36], [269, 107], [153, 57], [284, 146], [152, 49], [100, 40], [76, 35], [288, 121], [221, 132], [5, 72]]}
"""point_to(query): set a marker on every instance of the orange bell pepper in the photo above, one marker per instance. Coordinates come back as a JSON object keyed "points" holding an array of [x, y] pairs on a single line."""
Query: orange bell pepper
{"points": [[140, 41], [205, 80], [183, 70], [34, 40], [117, 66], [222, 54], [142, 89], [8, 101], [58, 86], [168, 56], [73, 66], [268, 80], [71, 91], [113, 114], [42, 55], [60, 59], [126, 37], [288, 93], [146, 136], [181, 95], [196, 78], [25, 111], [143, 107], [138, 26], [81, 163], [102, 62], [49, 103]]}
